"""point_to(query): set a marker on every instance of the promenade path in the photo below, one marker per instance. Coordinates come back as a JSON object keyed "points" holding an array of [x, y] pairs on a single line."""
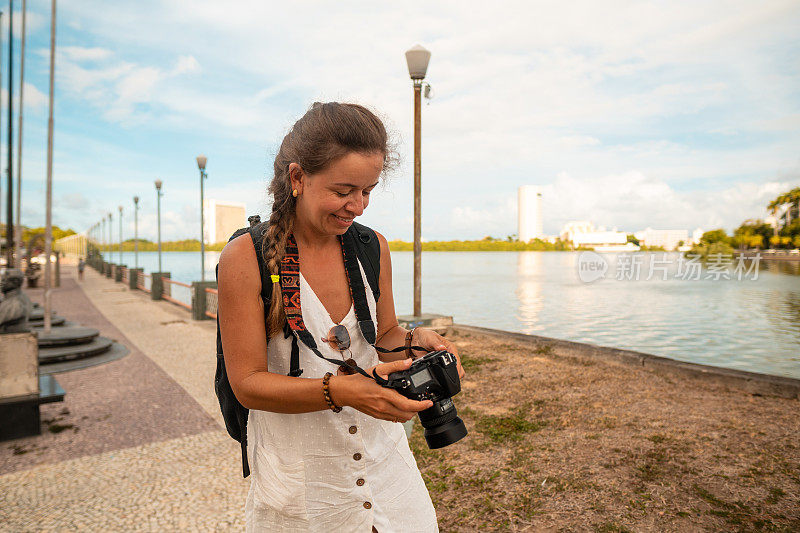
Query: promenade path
{"points": [[139, 443]]}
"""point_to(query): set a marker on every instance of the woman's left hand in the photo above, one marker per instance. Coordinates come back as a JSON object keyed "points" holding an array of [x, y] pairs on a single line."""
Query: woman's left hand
{"points": [[431, 341]]}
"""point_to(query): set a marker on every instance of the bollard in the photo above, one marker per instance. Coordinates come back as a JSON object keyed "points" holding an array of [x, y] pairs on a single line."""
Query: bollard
{"points": [[157, 287], [133, 278], [118, 273], [199, 298], [110, 272], [57, 282]]}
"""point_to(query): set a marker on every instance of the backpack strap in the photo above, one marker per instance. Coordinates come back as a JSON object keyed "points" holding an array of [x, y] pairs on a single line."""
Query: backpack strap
{"points": [[357, 289], [368, 249]]}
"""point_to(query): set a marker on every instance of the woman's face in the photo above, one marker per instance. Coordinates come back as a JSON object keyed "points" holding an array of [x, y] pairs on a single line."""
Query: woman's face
{"points": [[329, 200]]}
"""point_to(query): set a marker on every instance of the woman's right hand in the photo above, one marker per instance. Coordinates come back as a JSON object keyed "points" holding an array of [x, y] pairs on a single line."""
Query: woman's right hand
{"points": [[365, 395]]}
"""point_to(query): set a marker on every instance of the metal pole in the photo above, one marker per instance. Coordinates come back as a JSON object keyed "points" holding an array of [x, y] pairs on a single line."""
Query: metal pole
{"points": [[135, 232], [110, 237], [1, 107], [103, 238], [120, 235], [158, 192], [48, 239], [10, 168], [19, 139], [417, 199], [202, 231]]}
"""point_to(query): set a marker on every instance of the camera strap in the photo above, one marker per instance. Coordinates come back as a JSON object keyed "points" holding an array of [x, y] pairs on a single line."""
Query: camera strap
{"points": [[290, 290]]}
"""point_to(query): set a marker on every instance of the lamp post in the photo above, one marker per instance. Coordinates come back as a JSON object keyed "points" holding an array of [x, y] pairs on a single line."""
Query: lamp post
{"points": [[103, 236], [18, 222], [201, 164], [158, 210], [417, 59], [10, 234], [48, 232], [110, 237], [135, 232], [120, 235]]}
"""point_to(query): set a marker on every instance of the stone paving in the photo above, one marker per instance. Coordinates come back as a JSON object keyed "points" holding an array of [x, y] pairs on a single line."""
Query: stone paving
{"points": [[144, 449]]}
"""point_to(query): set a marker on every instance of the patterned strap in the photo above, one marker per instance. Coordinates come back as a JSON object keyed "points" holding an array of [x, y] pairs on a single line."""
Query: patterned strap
{"points": [[290, 290]]}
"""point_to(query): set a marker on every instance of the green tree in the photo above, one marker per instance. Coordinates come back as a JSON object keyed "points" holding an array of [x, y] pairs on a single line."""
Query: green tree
{"points": [[714, 236]]}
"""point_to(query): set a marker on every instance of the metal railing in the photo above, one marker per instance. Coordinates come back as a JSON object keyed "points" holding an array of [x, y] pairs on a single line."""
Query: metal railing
{"points": [[167, 293], [144, 282], [211, 303]]}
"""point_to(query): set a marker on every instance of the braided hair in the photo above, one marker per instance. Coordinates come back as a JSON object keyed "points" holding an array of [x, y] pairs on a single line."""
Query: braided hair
{"points": [[326, 133]]}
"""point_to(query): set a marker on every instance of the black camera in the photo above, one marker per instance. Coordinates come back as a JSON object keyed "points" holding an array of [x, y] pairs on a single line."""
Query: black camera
{"points": [[433, 377]]}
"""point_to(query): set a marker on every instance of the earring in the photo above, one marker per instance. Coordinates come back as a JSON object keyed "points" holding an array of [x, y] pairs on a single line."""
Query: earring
{"points": [[294, 193]]}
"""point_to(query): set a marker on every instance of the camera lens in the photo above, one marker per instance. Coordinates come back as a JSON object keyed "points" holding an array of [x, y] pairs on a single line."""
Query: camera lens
{"points": [[442, 425]]}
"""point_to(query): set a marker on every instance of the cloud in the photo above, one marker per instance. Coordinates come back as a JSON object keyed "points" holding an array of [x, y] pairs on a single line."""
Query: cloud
{"points": [[80, 53], [627, 112], [186, 64]]}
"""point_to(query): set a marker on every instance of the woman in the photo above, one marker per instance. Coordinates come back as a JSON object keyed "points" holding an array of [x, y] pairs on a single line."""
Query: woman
{"points": [[326, 452]]}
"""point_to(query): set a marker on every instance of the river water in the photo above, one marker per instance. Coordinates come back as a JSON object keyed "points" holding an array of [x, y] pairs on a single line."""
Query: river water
{"points": [[714, 314]]}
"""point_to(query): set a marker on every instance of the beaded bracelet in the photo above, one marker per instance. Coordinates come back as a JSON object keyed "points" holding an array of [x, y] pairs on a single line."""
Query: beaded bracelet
{"points": [[327, 393]]}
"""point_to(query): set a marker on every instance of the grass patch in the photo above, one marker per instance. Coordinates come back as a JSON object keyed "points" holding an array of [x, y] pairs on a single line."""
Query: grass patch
{"points": [[511, 427], [775, 494], [545, 349], [469, 362]]}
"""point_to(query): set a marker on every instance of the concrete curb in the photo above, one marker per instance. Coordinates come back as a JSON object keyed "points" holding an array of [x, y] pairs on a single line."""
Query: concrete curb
{"points": [[750, 382]]}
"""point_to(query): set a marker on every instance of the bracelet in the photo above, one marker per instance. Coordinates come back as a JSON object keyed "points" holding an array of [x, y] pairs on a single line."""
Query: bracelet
{"points": [[409, 336], [327, 393]]}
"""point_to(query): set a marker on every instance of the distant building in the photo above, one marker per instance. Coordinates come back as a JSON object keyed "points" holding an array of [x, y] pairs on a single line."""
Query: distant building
{"points": [[575, 226], [529, 217], [221, 219], [583, 233], [669, 239]]}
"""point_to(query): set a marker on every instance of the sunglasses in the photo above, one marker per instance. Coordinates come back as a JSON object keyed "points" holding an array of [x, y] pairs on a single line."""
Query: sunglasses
{"points": [[339, 339]]}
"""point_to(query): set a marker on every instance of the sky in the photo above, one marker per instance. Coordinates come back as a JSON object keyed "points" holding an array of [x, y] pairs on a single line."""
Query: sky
{"points": [[670, 115]]}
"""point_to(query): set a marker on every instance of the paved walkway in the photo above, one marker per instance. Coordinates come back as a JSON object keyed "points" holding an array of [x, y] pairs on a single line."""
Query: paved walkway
{"points": [[138, 443]]}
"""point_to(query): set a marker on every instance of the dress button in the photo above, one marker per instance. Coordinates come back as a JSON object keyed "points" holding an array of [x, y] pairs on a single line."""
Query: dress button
{"points": [[353, 430], [356, 456], [360, 482], [367, 505]]}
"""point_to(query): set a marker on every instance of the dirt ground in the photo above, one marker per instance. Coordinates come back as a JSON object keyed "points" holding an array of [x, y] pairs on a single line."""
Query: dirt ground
{"points": [[563, 444]]}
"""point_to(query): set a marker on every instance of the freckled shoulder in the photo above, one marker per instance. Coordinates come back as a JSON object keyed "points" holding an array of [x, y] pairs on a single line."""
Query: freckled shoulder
{"points": [[238, 266]]}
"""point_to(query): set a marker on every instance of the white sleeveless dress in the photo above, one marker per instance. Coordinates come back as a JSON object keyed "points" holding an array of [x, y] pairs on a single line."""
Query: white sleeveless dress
{"points": [[326, 471]]}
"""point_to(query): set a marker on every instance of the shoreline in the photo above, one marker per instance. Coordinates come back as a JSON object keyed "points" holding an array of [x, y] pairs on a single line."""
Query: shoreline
{"points": [[743, 380]]}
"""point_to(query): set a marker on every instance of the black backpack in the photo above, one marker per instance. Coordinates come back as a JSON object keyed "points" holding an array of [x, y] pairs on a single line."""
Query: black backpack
{"points": [[234, 413]]}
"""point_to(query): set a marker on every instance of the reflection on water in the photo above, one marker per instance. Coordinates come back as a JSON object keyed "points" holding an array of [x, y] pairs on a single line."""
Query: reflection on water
{"points": [[747, 324], [529, 288]]}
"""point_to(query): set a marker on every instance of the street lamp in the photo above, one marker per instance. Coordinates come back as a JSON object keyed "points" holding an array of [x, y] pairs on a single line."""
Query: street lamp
{"points": [[110, 238], [103, 237], [158, 203], [135, 232], [417, 59], [120, 235], [201, 164]]}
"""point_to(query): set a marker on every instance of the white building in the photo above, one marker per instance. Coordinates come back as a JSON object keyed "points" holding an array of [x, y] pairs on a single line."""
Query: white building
{"points": [[221, 219], [529, 217], [583, 233], [575, 226], [669, 239]]}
